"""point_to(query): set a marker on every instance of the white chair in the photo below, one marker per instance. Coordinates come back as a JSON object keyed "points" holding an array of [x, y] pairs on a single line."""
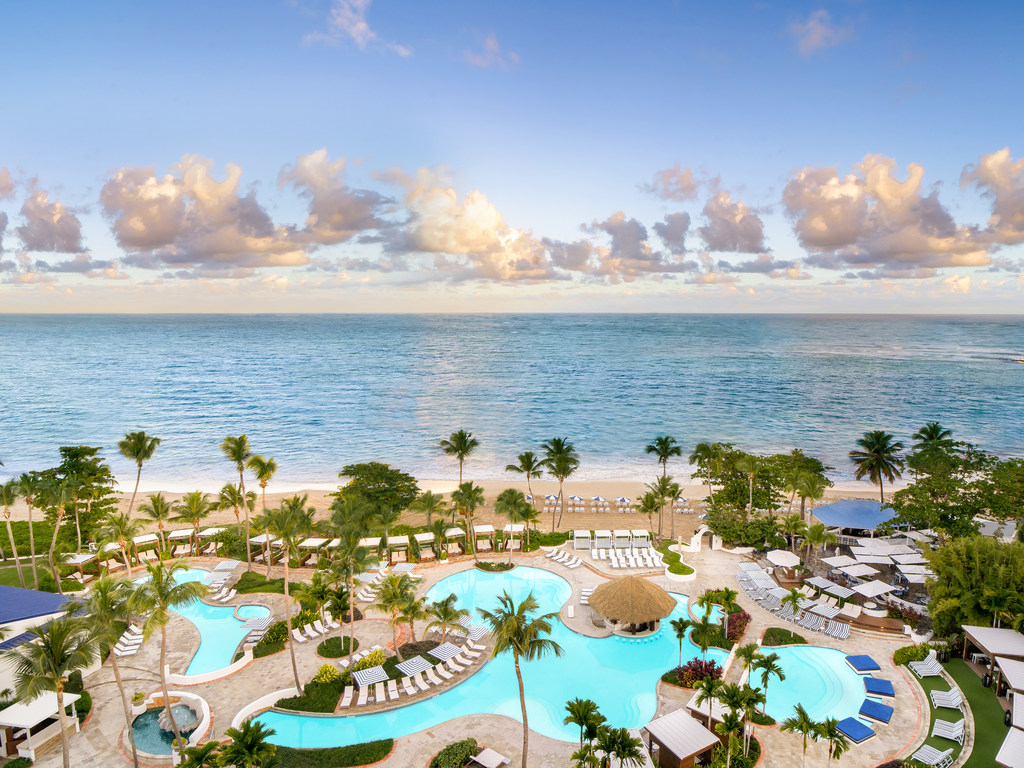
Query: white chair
{"points": [[421, 683], [364, 693], [931, 756], [346, 699], [298, 636], [442, 672], [408, 687], [378, 693], [433, 677], [392, 690]]}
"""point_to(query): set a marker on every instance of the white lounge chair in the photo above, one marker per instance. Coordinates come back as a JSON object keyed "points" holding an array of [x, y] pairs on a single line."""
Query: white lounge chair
{"points": [[330, 621], [408, 687], [441, 671], [455, 666], [392, 690], [948, 730], [309, 632], [121, 652], [320, 627], [346, 699], [227, 596], [952, 699], [476, 647], [931, 756], [364, 693], [469, 654], [378, 693], [298, 636], [421, 682]]}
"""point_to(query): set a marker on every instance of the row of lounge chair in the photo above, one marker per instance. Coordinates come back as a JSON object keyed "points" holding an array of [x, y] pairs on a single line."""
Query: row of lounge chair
{"points": [[804, 617], [358, 656], [563, 557], [129, 643], [930, 667], [315, 629], [585, 595], [637, 558], [413, 684], [223, 595]]}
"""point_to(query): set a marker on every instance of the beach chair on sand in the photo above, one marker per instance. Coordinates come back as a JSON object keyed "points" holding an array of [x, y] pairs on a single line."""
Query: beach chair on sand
{"points": [[346, 699], [421, 682], [931, 756], [392, 690], [408, 687], [298, 636]]}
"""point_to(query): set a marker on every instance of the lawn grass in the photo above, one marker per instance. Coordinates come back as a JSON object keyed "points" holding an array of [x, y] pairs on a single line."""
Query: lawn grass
{"points": [[779, 636], [674, 562], [9, 573], [254, 582], [335, 647]]}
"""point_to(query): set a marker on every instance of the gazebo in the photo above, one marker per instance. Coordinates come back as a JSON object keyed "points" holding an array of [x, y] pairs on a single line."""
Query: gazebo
{"points": [[678, 740], [398, 544], [425, 542], [34, 723], [454, 533], [485, 532], [633, 602]]}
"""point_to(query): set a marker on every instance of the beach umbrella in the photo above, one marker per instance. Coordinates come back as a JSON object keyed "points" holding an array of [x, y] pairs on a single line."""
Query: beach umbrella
{"points": [[622, 500], [574, 497], [597, 498], [783, 558], [632, 600], [529, 497], [551, 497]]}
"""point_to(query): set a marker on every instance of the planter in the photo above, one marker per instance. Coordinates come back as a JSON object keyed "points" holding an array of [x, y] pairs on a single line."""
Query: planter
{"points": [[680, 577], [138, 707]]}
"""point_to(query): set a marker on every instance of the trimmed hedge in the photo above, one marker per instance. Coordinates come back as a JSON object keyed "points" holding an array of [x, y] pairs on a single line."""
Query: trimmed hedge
{"points": [[495, 567], [318, 697], [674, 562], [335, 757], [335, 647], [19, 762], [780, 636], [456, 755], [910, 653]]}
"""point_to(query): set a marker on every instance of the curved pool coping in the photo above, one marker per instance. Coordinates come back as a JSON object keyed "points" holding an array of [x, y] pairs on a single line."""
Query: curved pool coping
{"points": [[198, 734]]}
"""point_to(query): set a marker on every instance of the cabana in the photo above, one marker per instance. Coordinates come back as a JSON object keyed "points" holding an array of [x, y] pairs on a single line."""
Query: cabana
{"points": [[112, 551], [205, 537], [309, 547], [509, 534], [701, 711], [854, 514], [993, 642], [1011, 673], [873, 588], [1011, 753], [602, 539], [398, 544], [35, 724], [266, 544], [623, 539], [859, 570], [678, 741], [78, 560], [182, 536], [839, 561], [425, 542], [370, 543], [145, 543], [641, 539], [634, 602], [581, 540], [486, 532], [454, 533]]}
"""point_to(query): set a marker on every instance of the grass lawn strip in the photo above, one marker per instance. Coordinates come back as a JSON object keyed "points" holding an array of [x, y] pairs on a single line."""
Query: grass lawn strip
{"points": [[989, 730], [930, 684]]}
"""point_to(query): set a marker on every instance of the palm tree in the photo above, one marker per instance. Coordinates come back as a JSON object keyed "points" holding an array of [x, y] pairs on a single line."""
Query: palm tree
{"points": [[810, 485], [467, 498], [518, 631], [237, 451], [878, 459], [618, 743], [460, 445], [439, 528], [264, 470], [793, 525], [748, 654], [666, 489], [751, 466], [730, 726], [58, 494], [8, 495], [932, 435], [801, 722], [681, 626], [768, 665], [249, 746], [118, 528], [350, 520], [793, 598], [159, 510], [393, 592], [818, 536], [430, 504], [194, 507], [106, 605], [29, 487], [584, 713], [751, 699], [707, 691], [708, 457], [58, 648], [828, 731], [155, 598], [137, 447], [650, 505], [412, 610], [561, 461], [203, 756], [512, 504], [665, 447], [290, 524], [230, 497], [530, 465], [318, 591], [446, 615], [702, 633]]}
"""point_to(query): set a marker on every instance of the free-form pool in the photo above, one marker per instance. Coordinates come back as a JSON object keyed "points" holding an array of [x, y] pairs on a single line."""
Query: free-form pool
{"points": [[619, 674], [819, 678], [150, 737]]}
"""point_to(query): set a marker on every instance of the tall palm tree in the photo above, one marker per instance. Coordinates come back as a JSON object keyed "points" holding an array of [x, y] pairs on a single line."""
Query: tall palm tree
{"points": [[793, 598], [351, 559], [828, 731], [768, 665], [118, 528], [707, 691], [584, 713], [748, 654], [751, 466], [518, 631], [793, 525], [194, 507], [393, 592], [155, 598], [751, 700], [29, 486], [529, 465], [681, 626], [702, 633], [802, 723], [237, 451], [446, 615], [650, 504], [160, 511], [879, 459], [412, 610], [318, 591], [439, 528], [58, 493], [467, 498], [561, 461], [249, 746], [512, 504], [708, 457], [139, 448], [664, 447], [618, 743], [106, 605], [430, 504], [460, 445], [818, 536], [230, 497], [730, 727], [8, 495], [666, 489], [264, 470], [58, 648], [810, 485], [932, 435], [290, 523]]}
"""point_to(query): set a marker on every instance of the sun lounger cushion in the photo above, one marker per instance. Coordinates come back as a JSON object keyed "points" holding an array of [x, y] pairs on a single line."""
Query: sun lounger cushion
{"points": [[862, 665], [855, 730], [878, 687], [875, 710]]}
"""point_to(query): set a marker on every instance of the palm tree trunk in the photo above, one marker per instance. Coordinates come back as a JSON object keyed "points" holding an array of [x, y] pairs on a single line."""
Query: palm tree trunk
{"points": [[351, 613], [291, 640], [522, 702], [78, 527], [14, 549], [881, 490], [53, 544], [248, 546], [131, 504], [65, 753], [127, 560], [561, 504], [460, 471], [124, 706], [163, 683], [394, 633], [32, 547]]}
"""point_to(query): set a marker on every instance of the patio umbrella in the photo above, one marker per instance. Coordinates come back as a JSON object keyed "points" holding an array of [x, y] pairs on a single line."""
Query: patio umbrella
{"points": [[622, 500], [597, 498], [859, 570], [574, 497], [873, 588], [632, 600], [551, 497], [839, 561], [783, 557]]}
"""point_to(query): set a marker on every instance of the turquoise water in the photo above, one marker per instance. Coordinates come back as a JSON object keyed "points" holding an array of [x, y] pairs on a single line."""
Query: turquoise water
{"points": [[150, 737], [819, 678], [316, 390], [619, 674]]}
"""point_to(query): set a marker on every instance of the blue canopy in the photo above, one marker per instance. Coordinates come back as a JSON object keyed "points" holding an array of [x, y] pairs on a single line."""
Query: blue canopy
{"points": [[18, 604], [878, 687], [854, 513], [855, 730]]}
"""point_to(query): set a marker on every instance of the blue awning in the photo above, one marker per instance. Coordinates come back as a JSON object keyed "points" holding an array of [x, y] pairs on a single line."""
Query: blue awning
{"points": [[18, 604], [854, 513]]}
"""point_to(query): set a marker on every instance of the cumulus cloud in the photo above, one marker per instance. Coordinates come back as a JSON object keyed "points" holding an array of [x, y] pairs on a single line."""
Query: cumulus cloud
{"points": [[188, 218], [82, 264], [22, 272], [957, 283], [49, 226], [731, 226], [765, 264], [673, 183], [710, 273], [491, 54], [817, 31], [347, 20], [1000, 178], [871, 219], [672, 231], [630, 254], [3, 229], [574, 257], [6, 185]]}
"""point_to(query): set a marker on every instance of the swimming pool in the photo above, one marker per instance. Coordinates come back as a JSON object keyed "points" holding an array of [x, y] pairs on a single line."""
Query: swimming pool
{"points": [[151, 738], [619, 674], [819, 678]]}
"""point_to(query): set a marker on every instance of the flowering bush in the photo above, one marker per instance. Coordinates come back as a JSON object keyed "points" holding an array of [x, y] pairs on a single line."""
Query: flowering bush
{"points": [[736, 625], [695, 670]]}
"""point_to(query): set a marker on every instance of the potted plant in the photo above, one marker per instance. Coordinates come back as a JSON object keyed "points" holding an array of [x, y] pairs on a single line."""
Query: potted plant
{"points": [[138, 703], [176, 747]]}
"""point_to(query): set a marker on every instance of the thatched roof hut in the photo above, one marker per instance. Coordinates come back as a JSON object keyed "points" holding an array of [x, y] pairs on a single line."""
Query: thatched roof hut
{"points": [[632, 600]]}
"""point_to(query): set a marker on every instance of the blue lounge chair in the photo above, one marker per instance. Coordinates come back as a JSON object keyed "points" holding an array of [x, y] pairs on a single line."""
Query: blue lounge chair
{"points": [[876, 710], [862, 665], [855, 730], [876, 686]]}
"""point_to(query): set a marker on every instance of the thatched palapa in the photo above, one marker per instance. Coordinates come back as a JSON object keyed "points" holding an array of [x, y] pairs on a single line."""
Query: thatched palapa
{"points": [[632, 600]]}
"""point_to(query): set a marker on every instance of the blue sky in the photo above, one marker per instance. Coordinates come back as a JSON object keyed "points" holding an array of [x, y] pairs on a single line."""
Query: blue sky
{"points": [[358, 155]]}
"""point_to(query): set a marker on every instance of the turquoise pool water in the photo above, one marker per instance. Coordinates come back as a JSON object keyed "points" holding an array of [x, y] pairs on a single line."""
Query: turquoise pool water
{"points": [[150, 737], [819, 678], [619, 674]]}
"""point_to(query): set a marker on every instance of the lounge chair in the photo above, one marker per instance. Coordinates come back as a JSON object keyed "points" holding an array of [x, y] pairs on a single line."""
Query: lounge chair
{"points": [[948, 730], [309, 632], [434, 679], [862, 665], [228, 596], [444, 673], [298, 636], [488, 758], [392, 690], [855, 730], [454, 666], [951, 699], [931, 756], [330, 621], [408, 687], [127, 640], [469, 654], [837, 629], [876, 711], [343, 663], [576, 563], [876, 686], [364, 693], [320, 627], [421, 682], [346, 699], [476, 647], [378, 693], [130, 651]]}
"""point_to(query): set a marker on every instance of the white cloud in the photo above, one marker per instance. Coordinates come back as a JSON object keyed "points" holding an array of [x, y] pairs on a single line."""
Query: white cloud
{"points": [[673, 183], [1000, 178], [731, 226], [49, 226], [491, 54], [817, 31], [6, 185], [347, 20], [957, 283]]}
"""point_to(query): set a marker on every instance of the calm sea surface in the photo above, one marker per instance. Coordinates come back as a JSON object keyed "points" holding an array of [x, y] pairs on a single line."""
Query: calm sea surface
{"points": [[320, 391]]}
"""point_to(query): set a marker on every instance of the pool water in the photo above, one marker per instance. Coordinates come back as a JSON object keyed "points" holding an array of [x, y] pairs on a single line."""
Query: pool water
{"points": [[619, 674], [150, 737], [819, 678]]}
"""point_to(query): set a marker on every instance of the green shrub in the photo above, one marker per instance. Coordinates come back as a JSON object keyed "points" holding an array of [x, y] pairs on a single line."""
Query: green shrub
{"points": [[372, 659], [273, 641], [19, 762], [910, 653], [335, 647], [760, 718], [232, 543], [674, 562], [74, 682], [455, 755], [780, 636], [495, 567], [318, 697], [335, 757], [82, 706], [328, 673], [548, 539]]}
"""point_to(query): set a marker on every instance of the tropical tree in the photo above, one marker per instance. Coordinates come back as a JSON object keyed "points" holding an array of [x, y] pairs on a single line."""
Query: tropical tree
{"points": [[528, 464], [802, 723], [118, 528], [249, 746], [793, 526], [439, 527], [203, 756], [194, 507], [932, 435], [618, 743], [768, 665], [584, 713], [748, 654], [318, 591], [231, 497], [290, 524], [412, 610], [137, 447], [649, 504], [666, 489], [446, 615], [155, 598], [29, 488], [707, 691], [810, 485], [512, 503], [702, 633], [264, 470], [350, 520], [708, 458], [750, 465], [561, 461], [393, 593], [517, 630], [664, 447], [878, 458], [57, 494], [430, 504], [159, 510], [237, 451], [818, 536], [460, 445], [681, 626], [828, 731], [58, 648], [752, 699], [793, 598], [730, 727], [8, 495], [467, 497]]}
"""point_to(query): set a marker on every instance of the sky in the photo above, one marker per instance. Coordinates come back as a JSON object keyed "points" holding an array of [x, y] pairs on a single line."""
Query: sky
{"points": [[385, 156]]}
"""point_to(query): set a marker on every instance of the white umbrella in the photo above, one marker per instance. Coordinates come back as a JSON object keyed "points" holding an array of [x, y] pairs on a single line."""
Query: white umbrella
{"points": [[528, 498], [622, 500], [574, 497], [597, 498], [839, 561], [783, 558], [859, 570], [873, 588], [551, 497]]}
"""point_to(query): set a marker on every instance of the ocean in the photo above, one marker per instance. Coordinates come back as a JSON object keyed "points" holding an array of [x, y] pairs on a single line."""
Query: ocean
{"points": [[320, 391]]}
